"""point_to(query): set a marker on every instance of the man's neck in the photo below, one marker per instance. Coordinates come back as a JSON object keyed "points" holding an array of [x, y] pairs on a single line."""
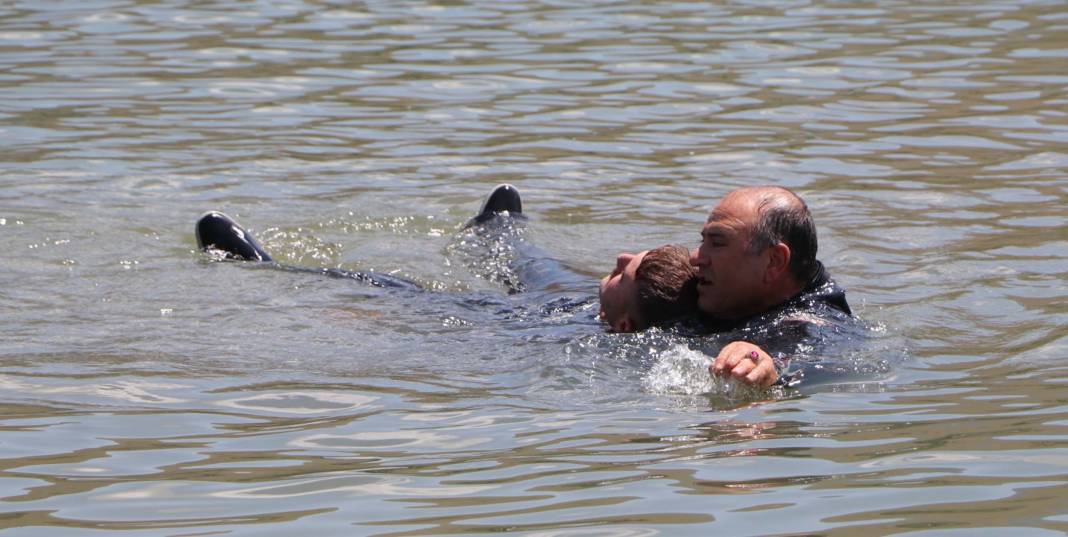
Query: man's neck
{"points": [[776, 296]]}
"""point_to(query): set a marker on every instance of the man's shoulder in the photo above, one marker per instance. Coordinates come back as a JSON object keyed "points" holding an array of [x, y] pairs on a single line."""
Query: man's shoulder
{"points": [[821, 291]]}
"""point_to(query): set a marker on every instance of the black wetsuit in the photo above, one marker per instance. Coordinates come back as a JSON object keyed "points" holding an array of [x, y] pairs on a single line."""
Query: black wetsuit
{"points": [[541, 289], [800, 335], [807, 336], [492, 245]]}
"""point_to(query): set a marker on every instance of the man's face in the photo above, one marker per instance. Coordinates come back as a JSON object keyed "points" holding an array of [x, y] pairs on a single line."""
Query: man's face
{"points": [[619, 294], [730, 278]]}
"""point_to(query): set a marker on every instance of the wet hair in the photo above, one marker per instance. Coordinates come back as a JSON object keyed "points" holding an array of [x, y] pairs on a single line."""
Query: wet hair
{"points": [[782, 216], [667, 285]]}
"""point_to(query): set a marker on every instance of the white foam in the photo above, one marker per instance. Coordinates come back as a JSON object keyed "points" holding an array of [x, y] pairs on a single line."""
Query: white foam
{"points": [[679, 370]]}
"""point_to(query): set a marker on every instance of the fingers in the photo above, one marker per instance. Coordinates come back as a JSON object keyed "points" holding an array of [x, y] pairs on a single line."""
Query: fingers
{"points": [[756, 376], [734, 356], [745, 363], [743, 367], [763, 375]]}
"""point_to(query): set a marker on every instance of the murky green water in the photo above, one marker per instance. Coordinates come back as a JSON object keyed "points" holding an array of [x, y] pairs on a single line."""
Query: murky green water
{"points": [[148, 391]]}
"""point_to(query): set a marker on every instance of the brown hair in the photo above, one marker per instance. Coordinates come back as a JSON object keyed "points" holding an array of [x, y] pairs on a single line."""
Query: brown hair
{"points": [[667, 284]]}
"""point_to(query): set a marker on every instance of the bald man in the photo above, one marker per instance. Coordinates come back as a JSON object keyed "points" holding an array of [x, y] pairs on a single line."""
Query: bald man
{"points": [[757, 267]]}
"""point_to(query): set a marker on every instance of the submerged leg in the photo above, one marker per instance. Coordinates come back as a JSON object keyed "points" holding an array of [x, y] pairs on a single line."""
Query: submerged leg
{"points": [[494, 246], [220, 232], [217, 231]]}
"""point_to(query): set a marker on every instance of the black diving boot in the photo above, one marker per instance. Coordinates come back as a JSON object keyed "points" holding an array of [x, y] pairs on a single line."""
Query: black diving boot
{"points": [[218, 231], [503, 200]]}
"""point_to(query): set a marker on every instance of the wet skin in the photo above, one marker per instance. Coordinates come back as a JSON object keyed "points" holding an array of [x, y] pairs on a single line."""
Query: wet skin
{"points": [[732, 281], [735, 283], [619, 294]]}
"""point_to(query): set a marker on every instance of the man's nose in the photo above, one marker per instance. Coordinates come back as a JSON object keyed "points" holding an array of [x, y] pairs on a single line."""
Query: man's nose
{"points": [[622, 261], [695, 257]]}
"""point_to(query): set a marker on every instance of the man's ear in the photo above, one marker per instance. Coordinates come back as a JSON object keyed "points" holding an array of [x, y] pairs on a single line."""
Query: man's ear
{"points": [[778, 262]]}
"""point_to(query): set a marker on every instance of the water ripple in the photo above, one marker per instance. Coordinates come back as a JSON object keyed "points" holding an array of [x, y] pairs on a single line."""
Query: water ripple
{"points": [[147, 388]]}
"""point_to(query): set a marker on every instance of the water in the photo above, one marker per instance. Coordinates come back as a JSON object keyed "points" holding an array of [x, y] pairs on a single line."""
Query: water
{"points": [[149, 391]]}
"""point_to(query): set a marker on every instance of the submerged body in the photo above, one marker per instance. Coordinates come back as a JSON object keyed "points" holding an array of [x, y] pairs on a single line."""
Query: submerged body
{"points": [[791, 335]]}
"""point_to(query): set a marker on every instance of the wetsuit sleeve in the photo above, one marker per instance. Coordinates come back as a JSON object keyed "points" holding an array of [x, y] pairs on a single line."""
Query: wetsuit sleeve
{"points": [[820, 350]]}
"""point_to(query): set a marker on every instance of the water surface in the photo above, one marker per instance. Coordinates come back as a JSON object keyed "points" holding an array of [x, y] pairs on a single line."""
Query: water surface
{"points": [[149, 391]]}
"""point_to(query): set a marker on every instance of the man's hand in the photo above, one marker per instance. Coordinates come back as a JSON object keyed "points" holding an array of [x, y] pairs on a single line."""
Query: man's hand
{"points": [[746, 363]]}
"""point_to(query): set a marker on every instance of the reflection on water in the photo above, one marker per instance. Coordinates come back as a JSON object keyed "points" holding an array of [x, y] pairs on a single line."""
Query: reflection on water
{"points": [[149, 390]]}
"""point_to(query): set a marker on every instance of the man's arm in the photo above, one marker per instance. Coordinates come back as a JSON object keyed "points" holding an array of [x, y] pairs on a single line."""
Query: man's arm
{"points": [[751, 362], [808, 347]]}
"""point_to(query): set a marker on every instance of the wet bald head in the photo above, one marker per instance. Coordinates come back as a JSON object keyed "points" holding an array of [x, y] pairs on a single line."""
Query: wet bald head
{"points": [[774, 215]]}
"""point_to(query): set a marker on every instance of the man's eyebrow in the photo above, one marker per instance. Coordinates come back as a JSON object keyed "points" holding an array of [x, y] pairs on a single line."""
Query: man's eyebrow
{"points": [[716, 231]]}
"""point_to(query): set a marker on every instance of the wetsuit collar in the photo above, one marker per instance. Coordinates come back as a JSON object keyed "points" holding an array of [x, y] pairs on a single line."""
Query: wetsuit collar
{"points": [[820, 289]]}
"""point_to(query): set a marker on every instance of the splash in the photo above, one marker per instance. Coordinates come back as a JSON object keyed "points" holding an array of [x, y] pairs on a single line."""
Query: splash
{"points": [[300, 246], [680, 370]]}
